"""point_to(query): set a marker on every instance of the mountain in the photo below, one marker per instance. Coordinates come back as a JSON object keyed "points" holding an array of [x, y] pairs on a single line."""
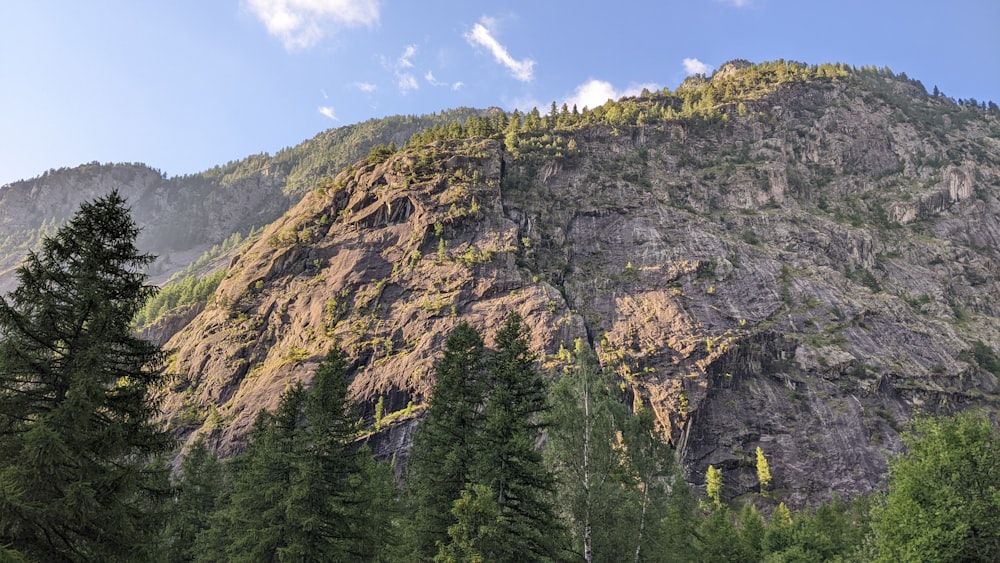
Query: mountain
{"points": [[185, 216], [800, 258]]}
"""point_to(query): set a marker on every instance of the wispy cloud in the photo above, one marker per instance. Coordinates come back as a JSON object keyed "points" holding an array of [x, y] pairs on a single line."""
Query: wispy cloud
{"points": [[737, 3], [328, 112], [404, 79], [694, 66], [406, 82], [301, 24], [406, 59], [366, 87], [429, 77], [433, 81], [481, 36], [594, 93]]}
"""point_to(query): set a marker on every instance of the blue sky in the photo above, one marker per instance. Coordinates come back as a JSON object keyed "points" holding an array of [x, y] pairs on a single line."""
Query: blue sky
{"points": [[183, 85]]}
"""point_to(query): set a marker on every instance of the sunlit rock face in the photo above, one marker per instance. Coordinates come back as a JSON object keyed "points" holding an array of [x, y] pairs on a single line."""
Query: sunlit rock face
{"points": [[803, 271]]}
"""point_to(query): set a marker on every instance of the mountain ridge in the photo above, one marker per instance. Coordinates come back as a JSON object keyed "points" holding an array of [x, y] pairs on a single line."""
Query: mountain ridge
{"points": [[792, 257]]}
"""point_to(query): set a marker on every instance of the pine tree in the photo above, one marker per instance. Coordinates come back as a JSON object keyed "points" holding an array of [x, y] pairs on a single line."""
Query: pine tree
{"points": [[442, 453], [77, 436], [507, 460]]}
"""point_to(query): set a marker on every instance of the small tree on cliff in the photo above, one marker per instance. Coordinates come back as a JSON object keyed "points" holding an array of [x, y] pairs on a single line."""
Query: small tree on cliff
{"points": [[763, 472]]}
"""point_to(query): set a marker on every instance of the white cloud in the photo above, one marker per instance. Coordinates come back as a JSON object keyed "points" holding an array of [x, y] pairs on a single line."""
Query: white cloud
{"points": [[594, 93], [366, 87], [694, 66], [737, 3], [429, 77], [328, 112], [404, 80], [481, 36], [301, 24], [405, 60], [407, 82], [457, 85]]}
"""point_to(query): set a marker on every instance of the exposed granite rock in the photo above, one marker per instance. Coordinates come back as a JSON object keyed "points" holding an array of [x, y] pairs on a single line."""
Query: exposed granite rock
{"points": [[803, 275]]}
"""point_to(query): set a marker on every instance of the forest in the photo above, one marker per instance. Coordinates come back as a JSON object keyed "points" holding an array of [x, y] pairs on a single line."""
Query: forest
{"points": [[510, 463]]}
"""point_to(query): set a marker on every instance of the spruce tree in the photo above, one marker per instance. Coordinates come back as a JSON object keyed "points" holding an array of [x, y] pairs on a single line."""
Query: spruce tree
{"points": [[296, 494], [77, 399], [326, 518], [442, 453], [507, 460], [198, 490]]}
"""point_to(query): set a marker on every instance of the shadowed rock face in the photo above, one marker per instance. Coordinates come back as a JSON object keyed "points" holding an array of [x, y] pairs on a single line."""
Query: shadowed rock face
{"points": [[802, 275]]}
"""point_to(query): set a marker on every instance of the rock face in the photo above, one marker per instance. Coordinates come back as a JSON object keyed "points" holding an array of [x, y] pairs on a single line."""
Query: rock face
{"points": [[802, 271]]}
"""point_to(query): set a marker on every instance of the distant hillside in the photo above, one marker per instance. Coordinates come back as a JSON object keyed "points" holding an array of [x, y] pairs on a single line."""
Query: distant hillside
{"points": [[182, 217]]}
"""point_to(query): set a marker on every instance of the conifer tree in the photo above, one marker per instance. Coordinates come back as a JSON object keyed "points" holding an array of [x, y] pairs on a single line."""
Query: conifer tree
{"points": [[326, 517], [198, 492], [441, 457], [296, 494], [507, 461], [475, 534], [77, 400]]}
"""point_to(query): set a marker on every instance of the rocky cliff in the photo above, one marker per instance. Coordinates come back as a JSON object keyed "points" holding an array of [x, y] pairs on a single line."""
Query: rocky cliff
{"points": [[794, 258]]}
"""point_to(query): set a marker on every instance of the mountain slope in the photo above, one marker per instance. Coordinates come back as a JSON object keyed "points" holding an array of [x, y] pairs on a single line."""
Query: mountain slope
{"points": [[796, 258], [182, 217]]}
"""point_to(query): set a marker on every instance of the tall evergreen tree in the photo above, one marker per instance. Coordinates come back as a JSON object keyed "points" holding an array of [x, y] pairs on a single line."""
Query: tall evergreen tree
{"points": [[326, 517], [442, 454], [198, 491], [296, 492], [507, 460], [475, 533], [77, 398]]}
